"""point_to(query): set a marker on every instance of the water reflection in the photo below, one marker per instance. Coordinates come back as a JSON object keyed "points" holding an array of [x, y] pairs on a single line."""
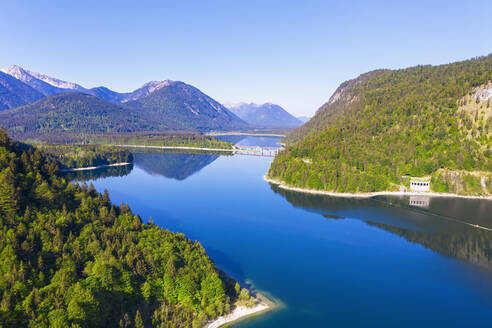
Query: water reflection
{"points": [[419, 201], [248, 141], [103, 172], [175, 166], [172, 165], [470, 244], [444, 225]]}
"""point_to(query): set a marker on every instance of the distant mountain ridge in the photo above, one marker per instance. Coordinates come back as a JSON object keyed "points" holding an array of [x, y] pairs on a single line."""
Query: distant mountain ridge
{"points": [[42, 83], [14, 93], [184, 107], [157, 105], [48, 85], [266, 115]]}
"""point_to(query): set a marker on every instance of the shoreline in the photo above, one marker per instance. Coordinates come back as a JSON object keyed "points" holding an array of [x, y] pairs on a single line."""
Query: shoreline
{"points": [[175, 147], [239, 313], [75, 169], [282, 185], [242, 312]]}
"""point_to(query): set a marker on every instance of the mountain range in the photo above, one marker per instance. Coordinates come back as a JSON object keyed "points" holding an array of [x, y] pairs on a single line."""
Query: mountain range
{"points": [[265, 116], [33, 103], [47, 85], [42, 83]]}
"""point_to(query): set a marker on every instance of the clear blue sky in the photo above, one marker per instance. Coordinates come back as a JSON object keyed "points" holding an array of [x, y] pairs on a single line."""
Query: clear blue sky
{"points": [[294, 53]]}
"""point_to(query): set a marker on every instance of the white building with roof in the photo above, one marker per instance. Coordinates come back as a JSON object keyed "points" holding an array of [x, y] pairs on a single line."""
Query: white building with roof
{"points": [[420, 184]]}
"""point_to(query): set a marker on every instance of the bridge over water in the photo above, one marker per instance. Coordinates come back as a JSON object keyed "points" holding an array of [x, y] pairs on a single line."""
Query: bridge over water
{"points": [[256, 151], [239, 150]]}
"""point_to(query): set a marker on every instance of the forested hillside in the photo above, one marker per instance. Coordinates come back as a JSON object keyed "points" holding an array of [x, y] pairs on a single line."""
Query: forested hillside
{"points": [[172, 140], [69, 258], [71, 113], [77, 156], [421, 121]]}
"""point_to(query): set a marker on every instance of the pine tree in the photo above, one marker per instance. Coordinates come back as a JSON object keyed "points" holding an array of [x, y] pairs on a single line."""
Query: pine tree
{"points": [[138, 320]]}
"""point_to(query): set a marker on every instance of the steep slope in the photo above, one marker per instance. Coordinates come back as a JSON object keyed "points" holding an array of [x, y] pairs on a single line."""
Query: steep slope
{"points": [[70, 258], [421, 121], [72, 113], [14, 93], [266, 115], [184, 107]]}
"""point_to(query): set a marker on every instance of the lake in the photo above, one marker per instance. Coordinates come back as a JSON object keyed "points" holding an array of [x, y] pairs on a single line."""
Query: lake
{"points": [[383, 262]]}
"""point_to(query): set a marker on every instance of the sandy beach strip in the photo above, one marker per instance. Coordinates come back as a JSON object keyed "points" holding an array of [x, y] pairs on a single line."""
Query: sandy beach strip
{"points": [[238, 313], [282, 185]]}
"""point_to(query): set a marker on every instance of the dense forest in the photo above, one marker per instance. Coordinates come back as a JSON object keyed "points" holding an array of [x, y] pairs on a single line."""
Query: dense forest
{"points": [[174, 140], [421, 121], [72, 113], [76, 156], [142, 138], [69, 258]]}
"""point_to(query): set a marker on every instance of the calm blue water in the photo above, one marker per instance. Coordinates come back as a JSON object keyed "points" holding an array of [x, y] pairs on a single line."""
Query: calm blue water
{"points": [[330, 262]]}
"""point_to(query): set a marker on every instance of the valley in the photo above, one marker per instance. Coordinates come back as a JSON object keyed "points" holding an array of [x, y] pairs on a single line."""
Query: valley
{"points": [[261, 164]]}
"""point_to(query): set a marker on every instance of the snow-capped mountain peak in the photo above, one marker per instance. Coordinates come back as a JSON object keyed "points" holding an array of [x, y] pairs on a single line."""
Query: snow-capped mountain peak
{"points": [[56, 82], [156, 85], [28, 76], [18, 72], [147, 89]]}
